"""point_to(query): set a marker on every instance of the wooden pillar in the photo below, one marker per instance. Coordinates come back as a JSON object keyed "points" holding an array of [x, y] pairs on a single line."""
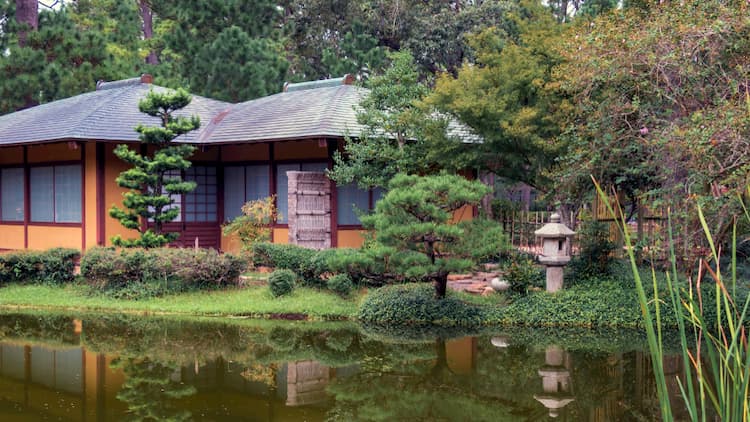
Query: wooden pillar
{"points": [[309, 209]]}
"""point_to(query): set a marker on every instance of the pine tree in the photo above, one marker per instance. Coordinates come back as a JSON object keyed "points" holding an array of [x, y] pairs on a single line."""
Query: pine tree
{"points": [[151, 180], [415, 223]]}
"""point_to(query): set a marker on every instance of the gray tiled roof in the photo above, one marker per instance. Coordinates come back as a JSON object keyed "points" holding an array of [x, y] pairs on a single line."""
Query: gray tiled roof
{"points": [[109, 114], [308, 110], [319, 112]]}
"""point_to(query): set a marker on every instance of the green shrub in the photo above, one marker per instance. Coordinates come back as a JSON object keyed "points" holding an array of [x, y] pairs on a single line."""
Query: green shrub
{"points": [[595, 257], [282, 256], [140, 273], [415, 304], [522, 273], [341, 284], [53, 266], [315, 270], [281, 282], [368, 266]]}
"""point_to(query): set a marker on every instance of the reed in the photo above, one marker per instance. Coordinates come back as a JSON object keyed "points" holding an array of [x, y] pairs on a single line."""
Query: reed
{"points": [[714, 350]]}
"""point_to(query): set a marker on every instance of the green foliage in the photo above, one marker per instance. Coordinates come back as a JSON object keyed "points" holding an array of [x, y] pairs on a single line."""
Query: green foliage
{"points": [[73, 48], [396, 130], [371, 265], [341, 284], [53, 266], [142, 273], [236, 67], [522, 273], [595, 257], [415, 305], [281, 282], [665, 141], [505, 96], [282, 256], [415, 219], [254, 225], [150, 179]]}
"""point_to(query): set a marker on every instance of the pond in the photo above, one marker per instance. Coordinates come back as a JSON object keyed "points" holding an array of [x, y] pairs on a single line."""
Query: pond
{"points": [[112, 367]]}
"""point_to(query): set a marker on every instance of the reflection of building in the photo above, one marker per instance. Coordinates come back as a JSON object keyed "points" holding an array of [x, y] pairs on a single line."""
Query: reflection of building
{"points": [[63, 382], [71, 383]]}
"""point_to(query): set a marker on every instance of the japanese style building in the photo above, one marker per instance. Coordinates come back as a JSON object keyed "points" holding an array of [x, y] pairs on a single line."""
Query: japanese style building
{"points": [[58, 169]]}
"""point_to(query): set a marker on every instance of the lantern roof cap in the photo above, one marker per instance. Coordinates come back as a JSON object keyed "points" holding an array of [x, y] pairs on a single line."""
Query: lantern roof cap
{"points": [[554, 229]]}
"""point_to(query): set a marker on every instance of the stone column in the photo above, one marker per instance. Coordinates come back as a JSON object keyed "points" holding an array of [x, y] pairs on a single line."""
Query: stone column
{"points": [[309, 209]]}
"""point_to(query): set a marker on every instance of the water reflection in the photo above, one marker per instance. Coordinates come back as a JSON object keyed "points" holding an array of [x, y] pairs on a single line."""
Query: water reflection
{"points": [[115, 368]]}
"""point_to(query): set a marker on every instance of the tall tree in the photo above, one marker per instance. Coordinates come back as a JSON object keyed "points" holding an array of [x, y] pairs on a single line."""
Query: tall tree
{"points": [[397, 130], [236, 67], [662, 113], [504, 97], [27, 17], [152, 180]]}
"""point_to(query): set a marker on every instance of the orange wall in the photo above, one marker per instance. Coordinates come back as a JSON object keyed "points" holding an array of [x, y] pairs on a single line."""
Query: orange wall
{"points": [[280, 235], [230, 243], [460, 354], [90, 194], [45, 237], [13, 155], [252, 152], [113, 166], [54, 152], [12, 237], [349, 238], [299, 150]]}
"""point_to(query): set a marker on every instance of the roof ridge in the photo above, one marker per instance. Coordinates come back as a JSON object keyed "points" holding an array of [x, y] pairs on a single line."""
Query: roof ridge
{"points": [[81, 130]]}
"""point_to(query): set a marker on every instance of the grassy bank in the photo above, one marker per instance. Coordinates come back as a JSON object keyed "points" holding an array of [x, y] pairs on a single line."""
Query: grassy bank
{"points": [[257, 302]]}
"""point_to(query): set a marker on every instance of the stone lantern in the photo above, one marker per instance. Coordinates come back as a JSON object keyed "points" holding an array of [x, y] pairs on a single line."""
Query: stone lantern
{"points": [[555, 381], [555, 240]]}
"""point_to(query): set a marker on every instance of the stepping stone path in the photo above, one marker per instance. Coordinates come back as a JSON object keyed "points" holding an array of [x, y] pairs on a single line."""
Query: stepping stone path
{"points": [[475, 283]]}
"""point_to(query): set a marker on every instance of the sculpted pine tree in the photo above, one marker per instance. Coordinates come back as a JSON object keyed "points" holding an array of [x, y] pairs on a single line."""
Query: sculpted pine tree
{"points": [[151, 180], [414, 225]]}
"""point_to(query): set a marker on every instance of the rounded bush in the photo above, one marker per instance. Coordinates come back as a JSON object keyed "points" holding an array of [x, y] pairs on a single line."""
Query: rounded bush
{"points": [[415, 304], [281, 282], [341, 284]]}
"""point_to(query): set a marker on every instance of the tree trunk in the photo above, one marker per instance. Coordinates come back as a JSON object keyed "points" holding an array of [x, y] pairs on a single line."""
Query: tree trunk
{"points": [[441, 284], [27, 15], [488, 179], [148, 29]]}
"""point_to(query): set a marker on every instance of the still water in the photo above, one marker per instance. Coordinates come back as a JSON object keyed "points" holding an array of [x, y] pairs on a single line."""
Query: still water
{"points": [[105, 367]]}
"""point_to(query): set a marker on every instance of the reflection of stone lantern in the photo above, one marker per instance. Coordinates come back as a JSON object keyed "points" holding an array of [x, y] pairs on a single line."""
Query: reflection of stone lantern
{"points": [[555, 382], [555, 240]]}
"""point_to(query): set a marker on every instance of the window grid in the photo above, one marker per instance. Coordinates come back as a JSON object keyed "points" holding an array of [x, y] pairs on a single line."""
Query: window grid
{"points": [[242, 184], [201, 203]]}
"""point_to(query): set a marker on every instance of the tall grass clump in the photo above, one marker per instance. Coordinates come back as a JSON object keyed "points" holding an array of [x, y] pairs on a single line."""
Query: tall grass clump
{"points": [[714, 347]]}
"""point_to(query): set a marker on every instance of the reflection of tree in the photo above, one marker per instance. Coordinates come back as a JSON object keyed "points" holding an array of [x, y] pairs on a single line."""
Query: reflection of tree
{"points": [[409, 391], [149, 392]]}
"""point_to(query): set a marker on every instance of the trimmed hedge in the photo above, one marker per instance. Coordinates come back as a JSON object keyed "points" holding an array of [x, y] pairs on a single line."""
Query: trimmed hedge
{"points": [[414, 304], [341, 284], [53, 266], [281, 282], [134, 273]]}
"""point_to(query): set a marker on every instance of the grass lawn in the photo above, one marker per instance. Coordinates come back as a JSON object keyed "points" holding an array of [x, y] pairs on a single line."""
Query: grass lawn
{"points": [[254, 301]]}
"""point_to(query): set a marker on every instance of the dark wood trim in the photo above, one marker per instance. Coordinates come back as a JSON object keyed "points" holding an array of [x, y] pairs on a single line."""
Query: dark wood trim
{"points": [[83, 197], [51, 224], [4, 167], [219, 194], [100, 192], [26, 197], [143, 150], [272, 188], [350, 227], [55, 163], [333, 199]]}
